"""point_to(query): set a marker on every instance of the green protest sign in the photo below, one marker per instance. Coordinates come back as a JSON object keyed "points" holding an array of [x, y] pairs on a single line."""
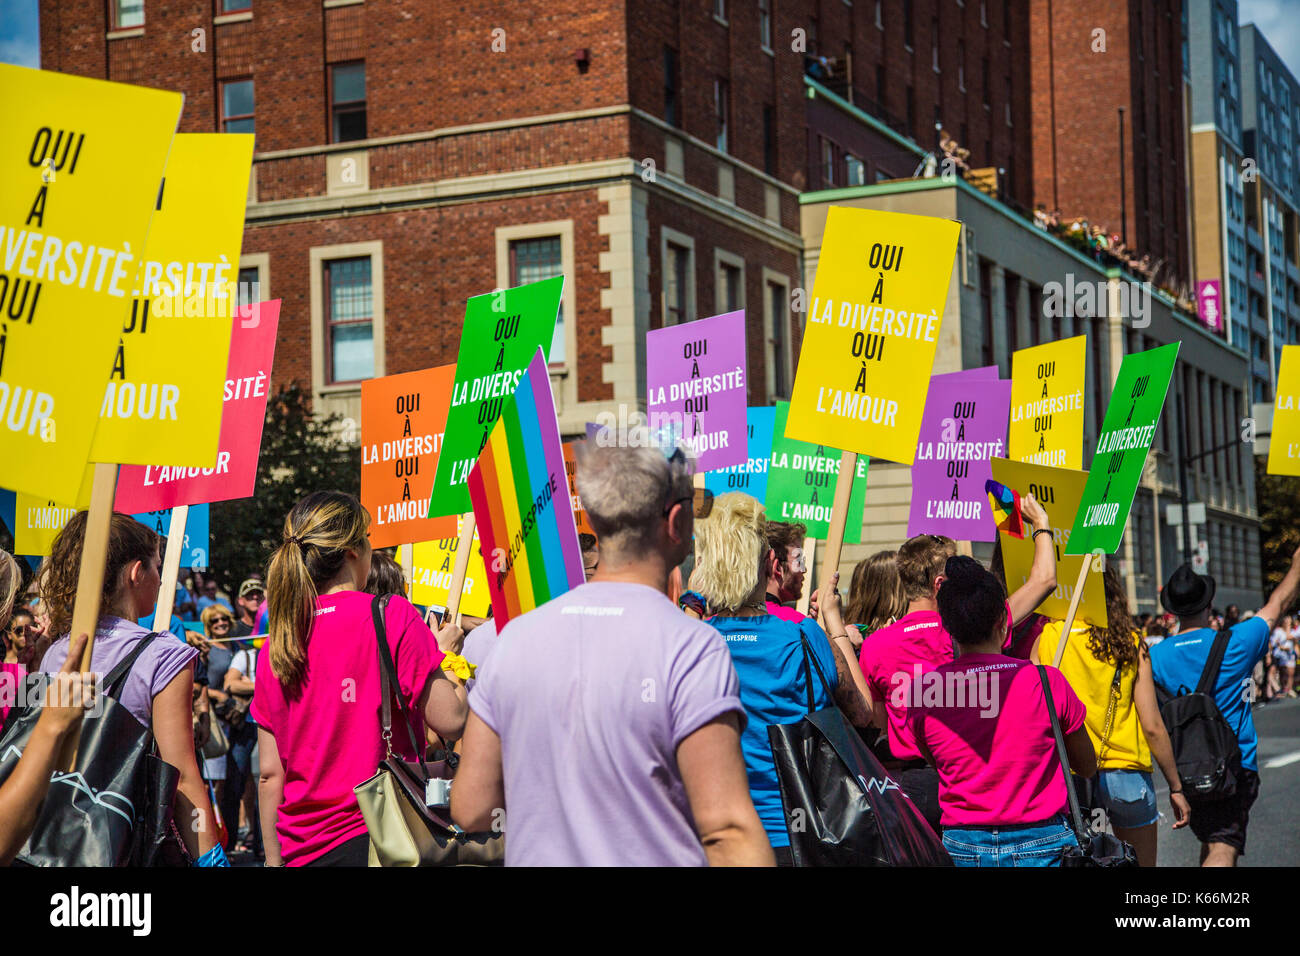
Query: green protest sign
{"points": [[502, 333], [1122, 448], [801, 483]]}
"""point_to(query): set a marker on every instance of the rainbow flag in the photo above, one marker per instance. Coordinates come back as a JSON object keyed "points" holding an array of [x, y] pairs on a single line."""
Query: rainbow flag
{"points": [[530, 545], [1006, 508]]}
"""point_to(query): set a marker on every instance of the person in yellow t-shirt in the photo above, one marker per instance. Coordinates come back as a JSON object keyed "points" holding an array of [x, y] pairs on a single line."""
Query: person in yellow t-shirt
{"points": [[1110, 669]]}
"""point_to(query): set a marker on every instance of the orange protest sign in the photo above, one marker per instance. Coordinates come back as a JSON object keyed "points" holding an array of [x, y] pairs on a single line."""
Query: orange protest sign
{"points": [[402, 421], [571, 470]]}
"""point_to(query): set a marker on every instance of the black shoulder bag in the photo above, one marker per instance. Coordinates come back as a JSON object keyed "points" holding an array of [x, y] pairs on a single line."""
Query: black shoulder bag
{"points": [[1094, 849], [841, 807], [115, 807]]}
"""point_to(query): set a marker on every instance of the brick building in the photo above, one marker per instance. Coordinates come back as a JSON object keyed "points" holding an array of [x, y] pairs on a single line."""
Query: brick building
{"points": [[1088, 60], [412, 154]]}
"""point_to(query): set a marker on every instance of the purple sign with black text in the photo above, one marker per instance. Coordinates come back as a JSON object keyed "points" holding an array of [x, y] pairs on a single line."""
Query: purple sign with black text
{"points": [[695, 376], [964, 425]]}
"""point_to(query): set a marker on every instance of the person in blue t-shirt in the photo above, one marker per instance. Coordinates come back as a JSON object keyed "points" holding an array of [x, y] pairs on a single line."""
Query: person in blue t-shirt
{"points": [[1176, 665], [768, 652]]}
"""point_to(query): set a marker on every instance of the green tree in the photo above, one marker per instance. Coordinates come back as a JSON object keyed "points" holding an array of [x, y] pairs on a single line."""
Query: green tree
{"points": [[301, 453], [1278, 497]]}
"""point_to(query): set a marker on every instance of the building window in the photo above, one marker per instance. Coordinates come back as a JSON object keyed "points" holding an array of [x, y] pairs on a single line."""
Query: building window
{"points": [[984, 78], [934, 44], [828, 162], [347, 102], [532, 260], [880, 15], [729, 287], [248, 292], [720, 10], [780, 333], [769, 140], [765, 24], [677, 270], [720, 112], [236, 6], [127, 13], [237, 106], [349, 320], [961, 65], [671, 115], [909, 40], [855, 173]]}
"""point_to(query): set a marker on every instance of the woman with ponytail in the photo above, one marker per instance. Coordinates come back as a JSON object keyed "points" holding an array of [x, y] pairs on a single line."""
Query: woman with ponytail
{"points": [[982, 722], [317, 698]]}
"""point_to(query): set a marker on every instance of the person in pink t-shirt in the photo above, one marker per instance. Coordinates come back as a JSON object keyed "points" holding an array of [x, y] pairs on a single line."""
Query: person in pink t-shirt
{"points": [[982, 722], [317, 692], [785, 568], [894, 656]]}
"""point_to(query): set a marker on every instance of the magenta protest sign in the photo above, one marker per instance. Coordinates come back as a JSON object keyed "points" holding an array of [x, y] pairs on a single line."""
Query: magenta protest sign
{"points": [[964, 425], [1209, 299], [695, 375], [143, 488]]}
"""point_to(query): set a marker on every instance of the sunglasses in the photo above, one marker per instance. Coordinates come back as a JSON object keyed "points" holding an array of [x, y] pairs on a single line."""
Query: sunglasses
{"points": [[702, 502], [222, 620]]}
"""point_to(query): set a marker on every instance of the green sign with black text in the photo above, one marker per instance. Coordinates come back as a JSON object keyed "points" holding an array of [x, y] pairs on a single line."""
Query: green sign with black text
{"points": [[1122, 448], [503, 331]]}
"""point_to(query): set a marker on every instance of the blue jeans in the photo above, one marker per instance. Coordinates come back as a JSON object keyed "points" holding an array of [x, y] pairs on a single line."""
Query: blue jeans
{"points": [[1129, 798], [1037, 844]]}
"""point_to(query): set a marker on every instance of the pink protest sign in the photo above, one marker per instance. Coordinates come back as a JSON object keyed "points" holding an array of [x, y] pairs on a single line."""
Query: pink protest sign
{"points": [[248, 381], [695, 376], [1209, 298], [964, 426]]}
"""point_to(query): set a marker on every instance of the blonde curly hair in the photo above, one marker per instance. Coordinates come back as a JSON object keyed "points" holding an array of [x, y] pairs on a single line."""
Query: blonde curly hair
{"points": [[732, 543]]}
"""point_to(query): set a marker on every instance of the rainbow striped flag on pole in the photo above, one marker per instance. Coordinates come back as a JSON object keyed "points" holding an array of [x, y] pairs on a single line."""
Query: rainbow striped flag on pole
{"points": [[530, 545], [1006, 508]]}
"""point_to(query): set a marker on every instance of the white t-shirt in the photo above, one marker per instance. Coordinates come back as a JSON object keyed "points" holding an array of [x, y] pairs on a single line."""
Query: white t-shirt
{"points": [[245, 662]]}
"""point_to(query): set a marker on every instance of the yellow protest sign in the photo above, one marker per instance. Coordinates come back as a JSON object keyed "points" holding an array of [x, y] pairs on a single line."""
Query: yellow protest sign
{"points": [[873, 326], [163, 401], [1059, 491], [1047, 404], [37, 522], [432, 563], [81, 161], [1284, 445]]}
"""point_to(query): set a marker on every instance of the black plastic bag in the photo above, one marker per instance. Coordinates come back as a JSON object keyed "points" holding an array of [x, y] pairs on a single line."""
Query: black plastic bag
{"points": [[115, 807], [841, 807]]}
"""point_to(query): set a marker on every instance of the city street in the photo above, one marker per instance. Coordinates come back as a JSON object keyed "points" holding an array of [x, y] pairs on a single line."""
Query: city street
{"points": [[1273, 838]]}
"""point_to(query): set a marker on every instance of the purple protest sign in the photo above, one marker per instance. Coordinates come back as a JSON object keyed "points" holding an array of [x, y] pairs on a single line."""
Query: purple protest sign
{"points": [[964, 425], [695, 375], [1209, 296]]}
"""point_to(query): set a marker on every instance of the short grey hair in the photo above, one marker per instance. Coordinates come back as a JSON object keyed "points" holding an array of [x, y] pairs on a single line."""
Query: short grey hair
{"points": [[625, 487]]}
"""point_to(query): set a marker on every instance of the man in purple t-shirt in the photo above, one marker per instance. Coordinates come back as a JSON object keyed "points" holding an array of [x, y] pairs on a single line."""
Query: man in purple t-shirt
{"points": [[607, 728]]}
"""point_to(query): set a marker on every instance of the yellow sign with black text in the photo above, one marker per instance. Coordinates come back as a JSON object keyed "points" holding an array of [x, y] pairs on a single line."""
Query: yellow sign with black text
{"points": [[432, 563], [1284, 444], [1059, 491], [873, 327], [166, 389], [81, 161], [1047, 404]]}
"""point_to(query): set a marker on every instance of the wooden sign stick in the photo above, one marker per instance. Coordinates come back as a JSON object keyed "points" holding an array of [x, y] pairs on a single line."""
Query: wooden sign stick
{"points": [[810, 561], [460, 568], [171, 568], [90, 580], [839, 514], [1074, 607]]}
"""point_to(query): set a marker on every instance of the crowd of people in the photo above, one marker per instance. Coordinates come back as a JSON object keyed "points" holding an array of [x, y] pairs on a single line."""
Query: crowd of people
{"points": [[639, 704]]}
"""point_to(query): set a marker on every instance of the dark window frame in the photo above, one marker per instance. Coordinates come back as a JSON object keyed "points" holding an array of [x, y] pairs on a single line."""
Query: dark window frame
{"points": [[348, 107], [331, 322]]}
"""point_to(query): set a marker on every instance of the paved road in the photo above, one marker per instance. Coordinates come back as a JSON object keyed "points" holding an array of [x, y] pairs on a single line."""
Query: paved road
{"points": [[1274, 835]]}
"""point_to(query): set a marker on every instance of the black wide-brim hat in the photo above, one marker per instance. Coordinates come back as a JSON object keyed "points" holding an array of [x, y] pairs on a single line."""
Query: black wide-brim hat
{"points": [[1187, 593]]}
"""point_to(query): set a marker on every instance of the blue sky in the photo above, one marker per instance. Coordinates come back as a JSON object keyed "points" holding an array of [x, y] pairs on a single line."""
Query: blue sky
{"points": [[1276, 19]]}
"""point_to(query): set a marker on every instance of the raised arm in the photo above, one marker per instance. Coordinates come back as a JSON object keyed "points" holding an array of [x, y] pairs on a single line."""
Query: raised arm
{"points": [[713, 772], [1284, 594], [1042, 573], [68, 695], [851, 692]]}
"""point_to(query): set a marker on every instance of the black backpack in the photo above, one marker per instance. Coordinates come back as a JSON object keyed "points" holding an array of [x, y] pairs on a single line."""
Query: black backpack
{"points": [[1205, 746]]}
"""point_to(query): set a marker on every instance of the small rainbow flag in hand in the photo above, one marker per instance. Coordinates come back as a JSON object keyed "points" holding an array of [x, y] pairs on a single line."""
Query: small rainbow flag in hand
{"points": [[521, 502], [1006, 508]]}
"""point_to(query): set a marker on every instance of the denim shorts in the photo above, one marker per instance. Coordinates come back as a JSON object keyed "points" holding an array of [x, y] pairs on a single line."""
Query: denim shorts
{"points": [[1128, 797], [1037, 844]]}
